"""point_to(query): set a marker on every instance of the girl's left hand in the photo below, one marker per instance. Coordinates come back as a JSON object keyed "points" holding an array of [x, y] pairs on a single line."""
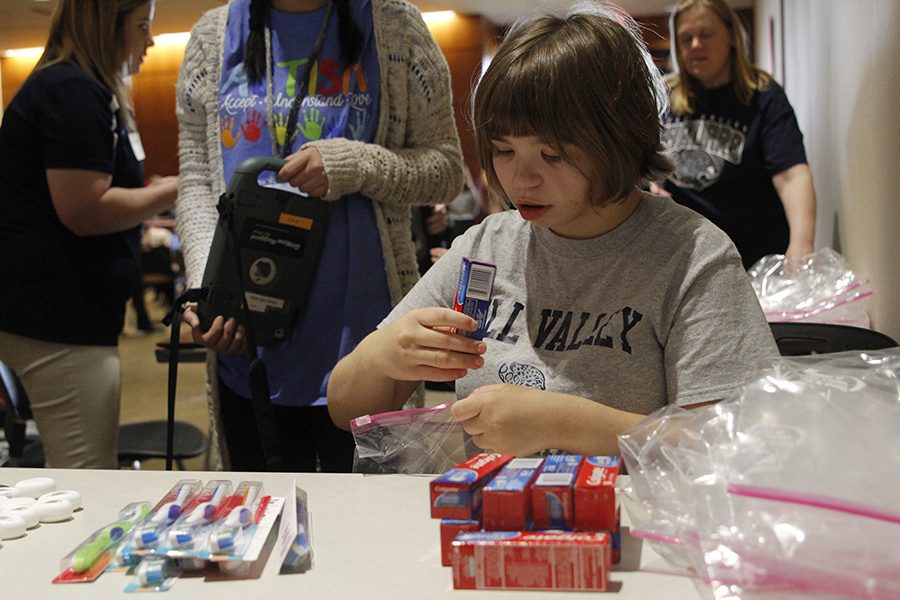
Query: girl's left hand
{"points": [[506, 418], [306, 171]]}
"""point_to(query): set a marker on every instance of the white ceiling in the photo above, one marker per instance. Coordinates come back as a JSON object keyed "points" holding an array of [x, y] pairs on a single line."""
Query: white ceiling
{"points": [[24, 23]]}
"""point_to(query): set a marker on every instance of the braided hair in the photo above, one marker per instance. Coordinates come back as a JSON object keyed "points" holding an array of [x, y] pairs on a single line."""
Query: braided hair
{"points": [[349, 36]]}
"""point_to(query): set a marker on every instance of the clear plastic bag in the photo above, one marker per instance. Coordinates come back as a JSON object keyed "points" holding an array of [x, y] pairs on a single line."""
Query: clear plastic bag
{"points": [[788, 489], [818, 288], [417, 440]]}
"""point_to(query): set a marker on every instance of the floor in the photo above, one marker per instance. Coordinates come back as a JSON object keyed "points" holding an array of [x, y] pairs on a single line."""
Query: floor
{"points": [[145, 382]]}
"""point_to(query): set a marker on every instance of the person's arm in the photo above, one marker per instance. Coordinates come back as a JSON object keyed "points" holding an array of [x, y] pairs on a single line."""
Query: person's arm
{"points": [[795, 188], [388, 365], [195, 209], [520, 420], [86, 203], [428, 168]]}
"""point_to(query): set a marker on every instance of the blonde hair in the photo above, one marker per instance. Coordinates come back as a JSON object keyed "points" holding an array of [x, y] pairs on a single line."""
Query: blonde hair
{"points": [[745, 78], [585, 80], [90, 34]]}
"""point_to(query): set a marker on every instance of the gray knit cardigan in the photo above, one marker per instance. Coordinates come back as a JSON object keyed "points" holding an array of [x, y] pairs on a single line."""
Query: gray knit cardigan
{"points": [[415, 157]]}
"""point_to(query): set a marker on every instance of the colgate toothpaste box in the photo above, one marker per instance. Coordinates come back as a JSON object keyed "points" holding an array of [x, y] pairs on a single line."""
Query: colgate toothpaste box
{"points": [[572, 561], [595, 493], [449, 529], [473, 292], [457, 493], [551, 495], [615, 539], [507, 498]]}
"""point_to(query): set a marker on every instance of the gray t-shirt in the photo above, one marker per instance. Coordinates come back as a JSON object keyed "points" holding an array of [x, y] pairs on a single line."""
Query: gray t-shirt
{"points": [[659, 310]]}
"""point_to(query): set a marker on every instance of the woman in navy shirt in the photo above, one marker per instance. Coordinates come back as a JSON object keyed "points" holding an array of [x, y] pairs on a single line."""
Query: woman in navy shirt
{"points": [[72, 199], [734, 137]]}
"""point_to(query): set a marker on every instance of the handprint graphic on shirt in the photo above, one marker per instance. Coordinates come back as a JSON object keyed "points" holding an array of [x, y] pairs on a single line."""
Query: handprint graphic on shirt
{"points": [[251, 125], [358, 127], [281, 125], [312, 124], [229, 139]]}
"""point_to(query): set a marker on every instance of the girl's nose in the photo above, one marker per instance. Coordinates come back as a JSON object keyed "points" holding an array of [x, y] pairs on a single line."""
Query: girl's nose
{"points": [[525, 175]]}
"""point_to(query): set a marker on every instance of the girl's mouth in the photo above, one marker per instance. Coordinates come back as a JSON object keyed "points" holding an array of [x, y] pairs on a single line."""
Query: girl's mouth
{"points": [[532, 212]]}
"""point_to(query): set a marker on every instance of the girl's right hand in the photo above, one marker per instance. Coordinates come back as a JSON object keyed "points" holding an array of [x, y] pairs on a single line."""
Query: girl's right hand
{"points": [[223, 336], [423, 346]]}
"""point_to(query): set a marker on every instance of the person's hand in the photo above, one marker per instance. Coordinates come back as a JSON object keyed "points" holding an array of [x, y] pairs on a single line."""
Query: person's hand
{"points": [[658, 189], [306, 171], [506, 418], [436, 253], [422, 346], [223, 336], [438, 220], [797, 251], [167, 187]]}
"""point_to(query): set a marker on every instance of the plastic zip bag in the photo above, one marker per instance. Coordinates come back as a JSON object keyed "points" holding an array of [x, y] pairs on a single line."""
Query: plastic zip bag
{"points": [[788, 489], [417, 440], [818, 288]]}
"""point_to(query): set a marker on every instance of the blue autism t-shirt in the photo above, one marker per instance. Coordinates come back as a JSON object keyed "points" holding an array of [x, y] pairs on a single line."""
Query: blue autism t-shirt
{"points": [[349, 296]]}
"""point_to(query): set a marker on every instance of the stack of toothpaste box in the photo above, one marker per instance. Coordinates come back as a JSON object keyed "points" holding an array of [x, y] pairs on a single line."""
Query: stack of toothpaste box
{"points": [[529, 523]]}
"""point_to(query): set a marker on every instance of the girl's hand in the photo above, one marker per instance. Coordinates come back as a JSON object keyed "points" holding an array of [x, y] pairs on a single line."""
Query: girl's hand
{"points": [[657, 188], [506, 418], [223, 336], [306, 171], [421, 346]]}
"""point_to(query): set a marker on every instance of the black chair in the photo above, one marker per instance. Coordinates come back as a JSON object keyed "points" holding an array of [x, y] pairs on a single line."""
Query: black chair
{"points": [[147, 439], [137, 441], [15, 411], [799, 339]]}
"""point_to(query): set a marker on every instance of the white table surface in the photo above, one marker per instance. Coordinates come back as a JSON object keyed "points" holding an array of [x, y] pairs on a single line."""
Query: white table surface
{"points": [[372, 537]]}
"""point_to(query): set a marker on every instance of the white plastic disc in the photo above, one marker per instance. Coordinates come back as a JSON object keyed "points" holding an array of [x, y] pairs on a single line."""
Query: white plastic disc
{"points": [[28, 513], [10, 492], [11, 526], [36, 486], [17, 502], [53, 511], [72, 496]]}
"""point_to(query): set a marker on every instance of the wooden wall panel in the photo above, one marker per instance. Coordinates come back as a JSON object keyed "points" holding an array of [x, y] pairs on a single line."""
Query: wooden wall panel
{"points": [[154, 107], [460, 39], [14, 71]]}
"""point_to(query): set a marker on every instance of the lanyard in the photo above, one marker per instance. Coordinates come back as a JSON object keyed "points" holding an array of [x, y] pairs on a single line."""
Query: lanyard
{"points": [[282, 150]]}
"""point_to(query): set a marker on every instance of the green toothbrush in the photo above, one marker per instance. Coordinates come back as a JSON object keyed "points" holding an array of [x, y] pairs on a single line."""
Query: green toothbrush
{"points": [[107, 538]]}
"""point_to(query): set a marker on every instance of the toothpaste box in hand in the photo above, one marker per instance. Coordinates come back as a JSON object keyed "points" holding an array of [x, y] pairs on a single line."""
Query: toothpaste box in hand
{"points": [[507, 498], [551, 495], [457, 493], [473, 292], [574, 561], [595, 493]]}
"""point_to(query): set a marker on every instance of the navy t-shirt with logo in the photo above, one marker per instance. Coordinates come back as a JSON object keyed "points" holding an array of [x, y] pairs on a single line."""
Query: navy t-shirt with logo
{"points": [[57, 286], [726, 156]]}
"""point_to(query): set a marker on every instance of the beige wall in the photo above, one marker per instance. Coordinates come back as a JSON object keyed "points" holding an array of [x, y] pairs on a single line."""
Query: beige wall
{"points": [[842, 75]]}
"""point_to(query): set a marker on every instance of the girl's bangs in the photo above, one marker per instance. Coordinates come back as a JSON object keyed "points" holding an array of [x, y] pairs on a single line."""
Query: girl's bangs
{"points": [[526, 104]]}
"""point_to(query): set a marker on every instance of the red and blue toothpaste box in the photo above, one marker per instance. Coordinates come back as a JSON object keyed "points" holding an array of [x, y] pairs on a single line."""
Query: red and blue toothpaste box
{"points": [[449, 529], [615, 539], [457, 493], [552, 501], [473, 292], [595, 493], [536, 560], [507, 498]]}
